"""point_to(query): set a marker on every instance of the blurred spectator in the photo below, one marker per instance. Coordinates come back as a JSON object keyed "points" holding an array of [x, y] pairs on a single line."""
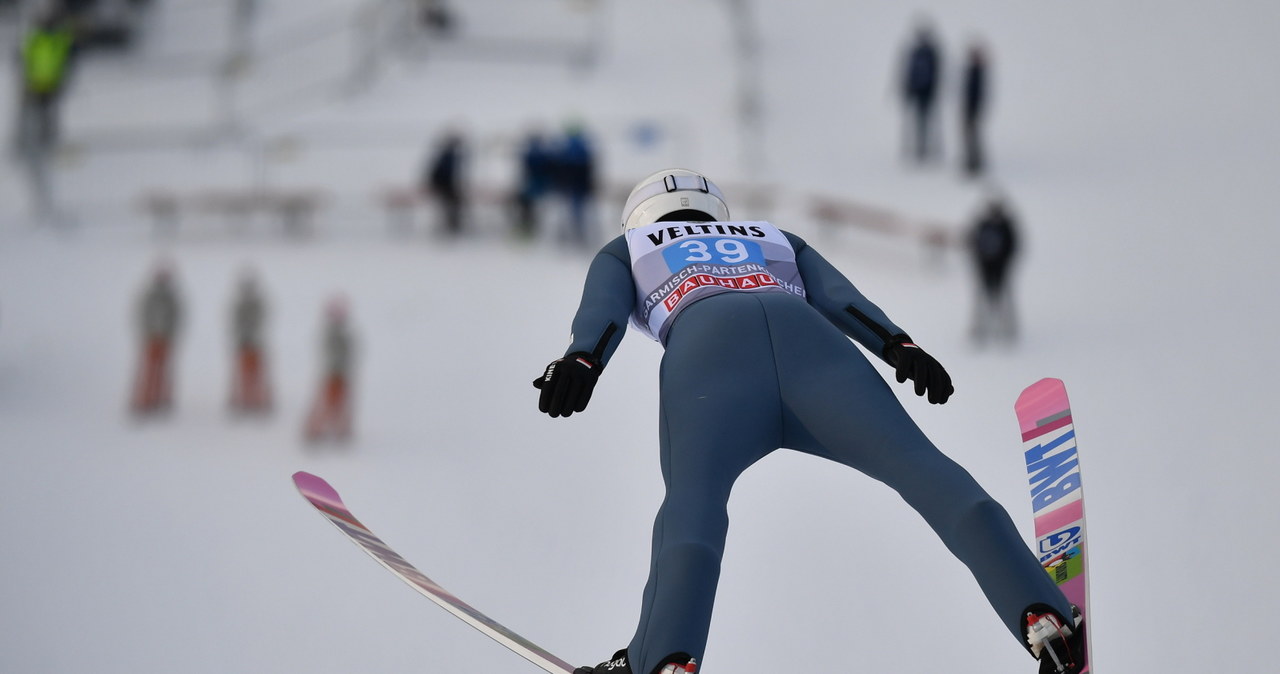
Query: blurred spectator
{"points": [[330, 415], [535, 181], [249, 390], [442, 179], [575, 179], [973, 106], [436, 17], [993, 244], [46, 57], [159, 318], [105, 24], [921, 78]]}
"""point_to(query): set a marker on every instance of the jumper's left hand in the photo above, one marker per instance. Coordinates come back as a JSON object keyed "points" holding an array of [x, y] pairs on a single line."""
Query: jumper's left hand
{"points": [[567, 384], [911, 362]]}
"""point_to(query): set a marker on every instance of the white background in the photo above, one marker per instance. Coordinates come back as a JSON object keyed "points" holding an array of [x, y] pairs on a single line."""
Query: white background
{"points": [[1136, 140]]}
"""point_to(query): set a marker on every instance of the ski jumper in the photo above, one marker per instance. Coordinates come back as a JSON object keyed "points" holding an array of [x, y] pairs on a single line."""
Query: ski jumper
{"points": [[756, 327]]}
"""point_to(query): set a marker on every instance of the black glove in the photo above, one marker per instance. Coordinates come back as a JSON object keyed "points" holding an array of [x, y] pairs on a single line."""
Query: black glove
{"points": [[567, 384], [913, 363]]}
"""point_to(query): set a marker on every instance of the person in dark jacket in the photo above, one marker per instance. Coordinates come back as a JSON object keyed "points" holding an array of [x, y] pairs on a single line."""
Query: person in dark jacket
{"points": [[575, 172], [973, 107], [993, 245], [443, 180], [535, 181], [921, 79]]}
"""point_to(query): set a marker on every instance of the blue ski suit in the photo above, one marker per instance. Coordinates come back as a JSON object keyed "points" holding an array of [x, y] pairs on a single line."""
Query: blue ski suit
{"points": [[745, 373]]}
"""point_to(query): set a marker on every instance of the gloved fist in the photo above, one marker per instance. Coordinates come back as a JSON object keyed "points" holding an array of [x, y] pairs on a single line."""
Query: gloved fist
{"points": [[567, 383], [913, 363]]}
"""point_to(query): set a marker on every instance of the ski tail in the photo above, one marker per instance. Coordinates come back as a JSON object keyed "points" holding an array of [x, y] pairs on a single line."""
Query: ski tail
{"points": [[1057, 492], [326, 500]]}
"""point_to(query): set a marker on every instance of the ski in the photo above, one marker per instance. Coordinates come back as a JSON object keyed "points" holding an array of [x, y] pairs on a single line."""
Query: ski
{"points": [[326, 500], [1057, 494]]}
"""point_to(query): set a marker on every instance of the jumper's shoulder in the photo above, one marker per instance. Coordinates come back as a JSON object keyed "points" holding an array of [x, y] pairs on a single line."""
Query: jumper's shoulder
{"points": [[617, 247], [796, 242]]}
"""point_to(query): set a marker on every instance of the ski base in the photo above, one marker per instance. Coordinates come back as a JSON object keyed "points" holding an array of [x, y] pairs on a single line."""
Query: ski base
{"points": [[326, 500]]}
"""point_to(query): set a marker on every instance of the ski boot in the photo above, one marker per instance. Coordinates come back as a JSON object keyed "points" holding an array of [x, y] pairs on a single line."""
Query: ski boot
{"points": [[1058, 647], [676, 663]]}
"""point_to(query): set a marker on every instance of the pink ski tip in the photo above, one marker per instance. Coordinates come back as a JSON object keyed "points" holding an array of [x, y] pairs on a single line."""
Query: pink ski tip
{"points": [[1040, 403], [316, 489]]}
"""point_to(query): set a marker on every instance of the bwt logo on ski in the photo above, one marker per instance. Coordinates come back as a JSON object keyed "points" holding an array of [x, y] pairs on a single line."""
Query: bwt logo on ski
{"points": [[1053, 470], [1058, 542], [745, 282]]}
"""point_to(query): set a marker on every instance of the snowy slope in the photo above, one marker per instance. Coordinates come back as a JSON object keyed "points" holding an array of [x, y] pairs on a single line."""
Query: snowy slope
{"points": [[1138, 151]]}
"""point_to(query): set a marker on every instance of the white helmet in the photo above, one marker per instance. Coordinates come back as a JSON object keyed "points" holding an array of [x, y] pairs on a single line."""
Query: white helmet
{"points": [[671, 191]]}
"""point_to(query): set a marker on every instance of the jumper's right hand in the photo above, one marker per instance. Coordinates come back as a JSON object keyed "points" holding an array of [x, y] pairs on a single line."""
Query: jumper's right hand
{"points": [[567, 384], [911, 362]]}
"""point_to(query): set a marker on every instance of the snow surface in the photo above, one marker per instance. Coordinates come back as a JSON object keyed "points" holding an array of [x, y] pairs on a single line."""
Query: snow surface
{"points": [[1134, 138]]}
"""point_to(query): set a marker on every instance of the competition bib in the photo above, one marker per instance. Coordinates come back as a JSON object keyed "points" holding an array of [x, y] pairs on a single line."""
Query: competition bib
{"points": [[678, 263]]}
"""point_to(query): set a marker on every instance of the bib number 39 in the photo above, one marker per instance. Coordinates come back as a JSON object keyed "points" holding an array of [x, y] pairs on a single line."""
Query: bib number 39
{"points": [[714, 251]]}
